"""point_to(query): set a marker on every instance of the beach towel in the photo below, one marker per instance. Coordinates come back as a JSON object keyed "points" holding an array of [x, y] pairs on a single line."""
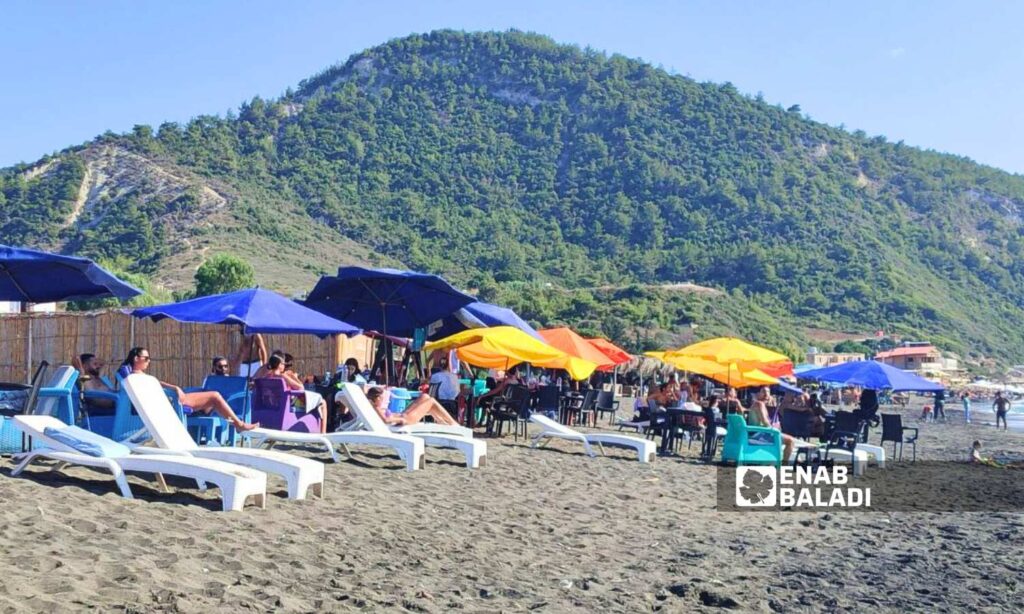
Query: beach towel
{"points": [[87, 442]]}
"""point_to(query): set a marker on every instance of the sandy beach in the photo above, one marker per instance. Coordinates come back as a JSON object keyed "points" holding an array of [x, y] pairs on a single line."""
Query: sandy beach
{"points": [[535, 530]]}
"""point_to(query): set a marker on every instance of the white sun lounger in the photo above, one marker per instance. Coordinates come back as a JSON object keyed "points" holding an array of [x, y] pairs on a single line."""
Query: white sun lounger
{"points": [[474, 450], [645, 449], [236, 483], [407, 447], [172, 437], [433, 428]]}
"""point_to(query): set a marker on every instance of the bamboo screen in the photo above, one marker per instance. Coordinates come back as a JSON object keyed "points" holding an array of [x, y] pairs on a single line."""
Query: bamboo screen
{"points": [[181, 352]]}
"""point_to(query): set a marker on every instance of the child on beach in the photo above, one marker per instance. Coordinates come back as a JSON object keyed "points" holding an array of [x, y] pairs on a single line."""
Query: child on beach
{"points": [[977, 458]]}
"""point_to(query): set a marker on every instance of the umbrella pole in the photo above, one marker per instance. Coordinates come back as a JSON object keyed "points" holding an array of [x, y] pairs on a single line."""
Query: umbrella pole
{"points": [[388, 358], [28, 347], [248, 379]]}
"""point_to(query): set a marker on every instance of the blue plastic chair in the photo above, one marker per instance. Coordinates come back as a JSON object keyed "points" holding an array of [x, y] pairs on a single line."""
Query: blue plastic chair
{"points": [[213, 427], [57, 398], [751, 445]]}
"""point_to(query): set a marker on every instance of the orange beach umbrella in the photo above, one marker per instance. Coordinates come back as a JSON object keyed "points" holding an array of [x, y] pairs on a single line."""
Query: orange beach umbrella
{"points": [[572, 344], [614, 353]]}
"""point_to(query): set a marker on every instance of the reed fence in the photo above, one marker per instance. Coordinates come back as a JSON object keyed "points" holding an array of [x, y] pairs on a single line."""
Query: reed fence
{"points": [[181, 352]]}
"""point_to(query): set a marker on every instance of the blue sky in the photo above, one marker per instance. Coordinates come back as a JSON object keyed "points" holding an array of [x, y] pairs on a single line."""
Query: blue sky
{"points": [[945, 75]]}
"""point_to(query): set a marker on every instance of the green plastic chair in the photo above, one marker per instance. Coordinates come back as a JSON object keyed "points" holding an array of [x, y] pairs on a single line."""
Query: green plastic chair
{"points": [[751, 445]]}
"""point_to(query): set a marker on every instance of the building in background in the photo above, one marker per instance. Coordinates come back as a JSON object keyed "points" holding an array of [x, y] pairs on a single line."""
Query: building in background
{"points": [[924, 359], [14, 307], [828, 359]]}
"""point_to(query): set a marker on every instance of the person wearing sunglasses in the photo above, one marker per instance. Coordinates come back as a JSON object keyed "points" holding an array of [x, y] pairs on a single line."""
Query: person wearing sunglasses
{"points": [[204, 402], [220, 366]]}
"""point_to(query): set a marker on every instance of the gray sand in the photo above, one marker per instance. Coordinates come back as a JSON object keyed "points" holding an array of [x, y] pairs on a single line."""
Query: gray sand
{"points": [[535, 530]]}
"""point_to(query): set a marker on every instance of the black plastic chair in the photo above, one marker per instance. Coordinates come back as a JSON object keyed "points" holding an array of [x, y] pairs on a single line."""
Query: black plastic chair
{"points": [[851, 422], [607, 403], [894, 431], [841, 440], [586, 407], [514, 408], [658, 418], [549, 401], [797, 423]]}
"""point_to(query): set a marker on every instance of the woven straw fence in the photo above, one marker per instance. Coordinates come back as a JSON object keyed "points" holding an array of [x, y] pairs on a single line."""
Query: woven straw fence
{"points": [[181, 352]]}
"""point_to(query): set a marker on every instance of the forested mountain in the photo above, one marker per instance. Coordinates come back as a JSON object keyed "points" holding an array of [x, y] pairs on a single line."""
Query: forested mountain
{"points": [[563, 182]]}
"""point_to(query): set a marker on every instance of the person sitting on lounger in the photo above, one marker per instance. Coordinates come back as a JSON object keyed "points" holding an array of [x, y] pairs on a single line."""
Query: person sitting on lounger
{"points": [[277, 368], [420, 408], [202, 402], [758, 416]]}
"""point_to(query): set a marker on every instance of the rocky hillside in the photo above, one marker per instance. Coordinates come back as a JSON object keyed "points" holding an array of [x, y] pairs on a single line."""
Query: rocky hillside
{"points": [[539, 174]]}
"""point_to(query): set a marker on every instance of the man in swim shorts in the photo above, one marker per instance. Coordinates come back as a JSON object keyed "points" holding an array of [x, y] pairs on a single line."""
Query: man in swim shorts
{"points": [[1002, 407]]}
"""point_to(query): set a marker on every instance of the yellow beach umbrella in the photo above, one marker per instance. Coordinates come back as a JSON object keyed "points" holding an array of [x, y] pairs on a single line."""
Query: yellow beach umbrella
{"points": [[733, 351], [730, 375], [501, 347]]}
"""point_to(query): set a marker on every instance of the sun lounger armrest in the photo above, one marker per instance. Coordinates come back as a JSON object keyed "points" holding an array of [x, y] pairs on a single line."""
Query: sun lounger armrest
{"points": [[911, 428]]}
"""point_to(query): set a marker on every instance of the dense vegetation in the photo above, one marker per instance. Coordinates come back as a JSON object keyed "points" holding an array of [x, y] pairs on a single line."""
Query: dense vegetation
{"points": [[541, 173]]}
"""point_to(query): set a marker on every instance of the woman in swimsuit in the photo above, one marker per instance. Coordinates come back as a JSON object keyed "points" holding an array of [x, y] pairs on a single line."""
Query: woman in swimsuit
{"points": [[420, 408], [203, 402]]}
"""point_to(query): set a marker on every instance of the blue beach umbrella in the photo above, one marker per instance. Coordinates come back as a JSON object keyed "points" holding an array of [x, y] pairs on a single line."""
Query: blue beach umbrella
{"points": [[479, 315], [803, 368], [386, 300], [873, 375], [254, 310], [31, 276]]}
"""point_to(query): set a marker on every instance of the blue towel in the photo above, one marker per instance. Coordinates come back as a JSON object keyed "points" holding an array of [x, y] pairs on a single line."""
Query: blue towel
{"points": [[87, 442]]}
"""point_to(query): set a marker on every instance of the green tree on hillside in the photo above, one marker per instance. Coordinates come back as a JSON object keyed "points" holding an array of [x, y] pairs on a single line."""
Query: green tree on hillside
{"points": [[224, 273]]}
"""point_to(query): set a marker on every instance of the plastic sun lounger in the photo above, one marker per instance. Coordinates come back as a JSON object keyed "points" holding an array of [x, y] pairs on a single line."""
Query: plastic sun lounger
{"points": [[236, 483], [408, 448], [172, 437], [645, 448], [433, 428], [474, 450]]}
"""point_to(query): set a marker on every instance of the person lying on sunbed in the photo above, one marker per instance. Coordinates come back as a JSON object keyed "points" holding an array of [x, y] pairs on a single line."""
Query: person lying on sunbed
{"points": [[277, 368], [204, 402], [420, 408]]}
